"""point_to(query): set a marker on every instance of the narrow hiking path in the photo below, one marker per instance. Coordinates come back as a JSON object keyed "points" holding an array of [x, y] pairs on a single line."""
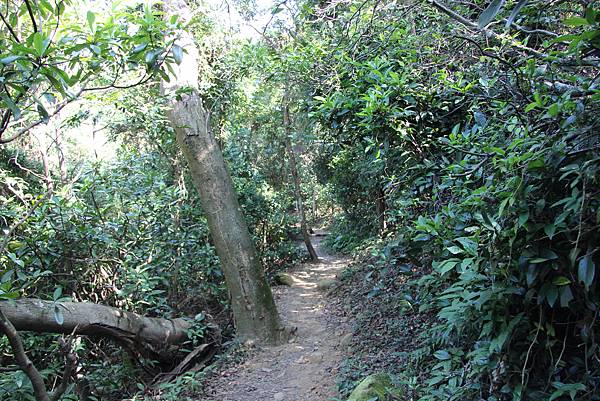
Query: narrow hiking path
{"points": [[305, 368]]}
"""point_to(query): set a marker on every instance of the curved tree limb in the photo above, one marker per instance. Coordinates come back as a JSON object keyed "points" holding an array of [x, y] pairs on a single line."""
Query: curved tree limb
{"points": [[37, 381]]}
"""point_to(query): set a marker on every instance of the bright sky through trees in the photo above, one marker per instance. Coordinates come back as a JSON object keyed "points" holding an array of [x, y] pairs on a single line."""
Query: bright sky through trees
{"points": [[228, 14]]}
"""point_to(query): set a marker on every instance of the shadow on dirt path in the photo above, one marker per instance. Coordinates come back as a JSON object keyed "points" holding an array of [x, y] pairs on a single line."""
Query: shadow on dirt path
{"points": [[305, 368]]}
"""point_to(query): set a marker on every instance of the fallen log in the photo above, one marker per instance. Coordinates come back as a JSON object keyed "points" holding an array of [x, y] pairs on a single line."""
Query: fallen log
{"points": [[158, 338], [157, 335]]}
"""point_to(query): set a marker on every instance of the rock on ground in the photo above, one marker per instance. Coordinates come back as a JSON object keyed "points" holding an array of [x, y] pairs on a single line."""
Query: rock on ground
{"points": [[373, 386]]}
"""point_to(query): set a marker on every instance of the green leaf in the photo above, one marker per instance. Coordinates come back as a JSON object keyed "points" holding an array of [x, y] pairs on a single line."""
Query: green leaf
{"points": [[445, 266], [15, 259], [9, 295], [536, 164], [490, 13], [455, 250], [553, 110], [576, 21], [43, 112], [96, 49], [91, 19], [548, 292], [552, 295], [442, 355], [573, 253], [56, 84], [164, 75], [531, 106], [566, 296], [498, 342], [12, 106], [563, 388], [60, 8], [10, 59], [150, 58], [561, 280], [532, 273], [374, 292], [548, 254], [469, 245], [523, 217], [586, 271], [591, 14], [550, 230], [40, 44], [177, 53], [57, 293], [139, 48]]}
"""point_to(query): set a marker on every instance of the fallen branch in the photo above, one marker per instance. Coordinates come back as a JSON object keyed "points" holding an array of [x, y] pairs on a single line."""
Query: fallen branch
{"points": [[157, 337]]}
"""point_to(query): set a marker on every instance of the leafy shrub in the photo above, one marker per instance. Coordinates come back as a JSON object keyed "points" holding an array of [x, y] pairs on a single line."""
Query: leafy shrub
{"points": [[124, 234], [490, 173]]}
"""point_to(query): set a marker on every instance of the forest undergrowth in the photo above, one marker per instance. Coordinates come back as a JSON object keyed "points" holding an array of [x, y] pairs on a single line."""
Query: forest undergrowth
{"points": [[466, 167]]}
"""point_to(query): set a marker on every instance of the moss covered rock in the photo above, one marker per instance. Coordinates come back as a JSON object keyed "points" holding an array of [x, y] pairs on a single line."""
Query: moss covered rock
{"points": [[370, 387], [327, 284], [284, 279]]}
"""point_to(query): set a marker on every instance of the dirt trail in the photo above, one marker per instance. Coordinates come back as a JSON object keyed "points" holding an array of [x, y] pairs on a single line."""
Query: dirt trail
{"points": [[305, 368]]}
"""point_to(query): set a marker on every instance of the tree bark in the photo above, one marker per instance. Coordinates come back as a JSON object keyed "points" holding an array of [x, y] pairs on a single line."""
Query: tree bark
{"points": [[254, 309], [380, 209], [296, 178], [93, 319]]}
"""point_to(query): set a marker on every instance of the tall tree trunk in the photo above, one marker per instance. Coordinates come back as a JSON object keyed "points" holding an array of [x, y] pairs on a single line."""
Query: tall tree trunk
{"points": [[254, 309], [297, 188], [179, 180]]}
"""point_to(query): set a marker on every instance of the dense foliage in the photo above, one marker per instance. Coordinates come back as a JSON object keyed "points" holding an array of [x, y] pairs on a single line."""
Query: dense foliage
{"points": [[121, 226], [50, 54], [485, 151]]}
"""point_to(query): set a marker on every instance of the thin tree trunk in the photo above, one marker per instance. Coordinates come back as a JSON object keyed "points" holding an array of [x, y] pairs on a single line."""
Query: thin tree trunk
{"points": [[254, 309], [380, 208], [43, 150], [297, 188], [62, 156], [314, 206]]}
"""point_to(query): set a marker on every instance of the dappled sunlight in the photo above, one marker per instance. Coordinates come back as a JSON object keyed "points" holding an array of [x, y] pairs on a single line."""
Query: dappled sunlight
{"points": [[310, 357]]}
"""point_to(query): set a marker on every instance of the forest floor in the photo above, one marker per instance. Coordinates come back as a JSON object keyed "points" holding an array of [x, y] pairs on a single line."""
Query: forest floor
{"points": [[306, 367]]}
